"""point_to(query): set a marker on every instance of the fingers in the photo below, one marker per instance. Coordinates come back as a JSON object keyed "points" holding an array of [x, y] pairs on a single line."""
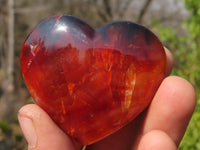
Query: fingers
{"points": [[156, 140], [170, 61], [169, 113], [171, 108], [40, 131]]}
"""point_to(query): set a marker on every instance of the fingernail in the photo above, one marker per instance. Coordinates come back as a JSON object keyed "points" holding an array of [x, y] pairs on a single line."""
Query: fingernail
{"points": [[28, 130]]}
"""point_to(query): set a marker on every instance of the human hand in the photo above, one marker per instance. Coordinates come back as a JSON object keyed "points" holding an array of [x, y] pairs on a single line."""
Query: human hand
{"points": [[161, 126]]}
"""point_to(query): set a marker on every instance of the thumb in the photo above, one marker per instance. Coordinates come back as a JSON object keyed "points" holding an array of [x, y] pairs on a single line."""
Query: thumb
{"points": [[41, 132]]}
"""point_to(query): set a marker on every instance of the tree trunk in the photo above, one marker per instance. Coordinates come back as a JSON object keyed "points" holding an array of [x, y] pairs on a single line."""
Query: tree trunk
{"points": [[144, 10], [10, 56], [7, 100]]}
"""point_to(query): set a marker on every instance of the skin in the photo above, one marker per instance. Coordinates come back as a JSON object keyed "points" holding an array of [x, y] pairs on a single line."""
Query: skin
{"points": [[161, 126]]}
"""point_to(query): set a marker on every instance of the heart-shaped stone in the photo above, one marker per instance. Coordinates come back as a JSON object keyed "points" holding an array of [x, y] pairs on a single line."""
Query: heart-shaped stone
{"points": [[92, 82]]}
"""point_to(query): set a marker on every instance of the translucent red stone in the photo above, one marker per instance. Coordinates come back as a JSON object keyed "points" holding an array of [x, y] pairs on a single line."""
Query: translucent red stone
{"points": [[92, 82]]}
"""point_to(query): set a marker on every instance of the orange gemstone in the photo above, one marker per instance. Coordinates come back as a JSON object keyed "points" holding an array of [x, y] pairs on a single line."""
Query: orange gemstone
{"points": [[92, 82]]}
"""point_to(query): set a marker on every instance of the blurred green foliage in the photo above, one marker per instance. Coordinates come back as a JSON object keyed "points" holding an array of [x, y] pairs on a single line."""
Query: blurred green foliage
{"points": [[4, 126], [186, 51], [192, 137]]}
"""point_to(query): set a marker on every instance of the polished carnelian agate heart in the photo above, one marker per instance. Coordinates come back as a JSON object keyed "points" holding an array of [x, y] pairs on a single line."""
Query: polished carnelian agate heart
{"points": [[92, 82]]}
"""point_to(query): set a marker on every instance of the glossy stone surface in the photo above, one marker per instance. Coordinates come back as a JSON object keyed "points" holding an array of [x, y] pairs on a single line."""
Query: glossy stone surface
{"points": [[92, 82]]}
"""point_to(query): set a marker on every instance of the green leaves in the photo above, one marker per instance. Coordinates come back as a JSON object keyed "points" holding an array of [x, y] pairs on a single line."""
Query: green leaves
{"points": [[4, 126], [186, 51], [193, 6]]}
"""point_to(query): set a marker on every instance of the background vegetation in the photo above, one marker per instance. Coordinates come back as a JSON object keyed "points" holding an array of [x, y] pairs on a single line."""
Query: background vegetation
{"points": [[176, 22]]}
